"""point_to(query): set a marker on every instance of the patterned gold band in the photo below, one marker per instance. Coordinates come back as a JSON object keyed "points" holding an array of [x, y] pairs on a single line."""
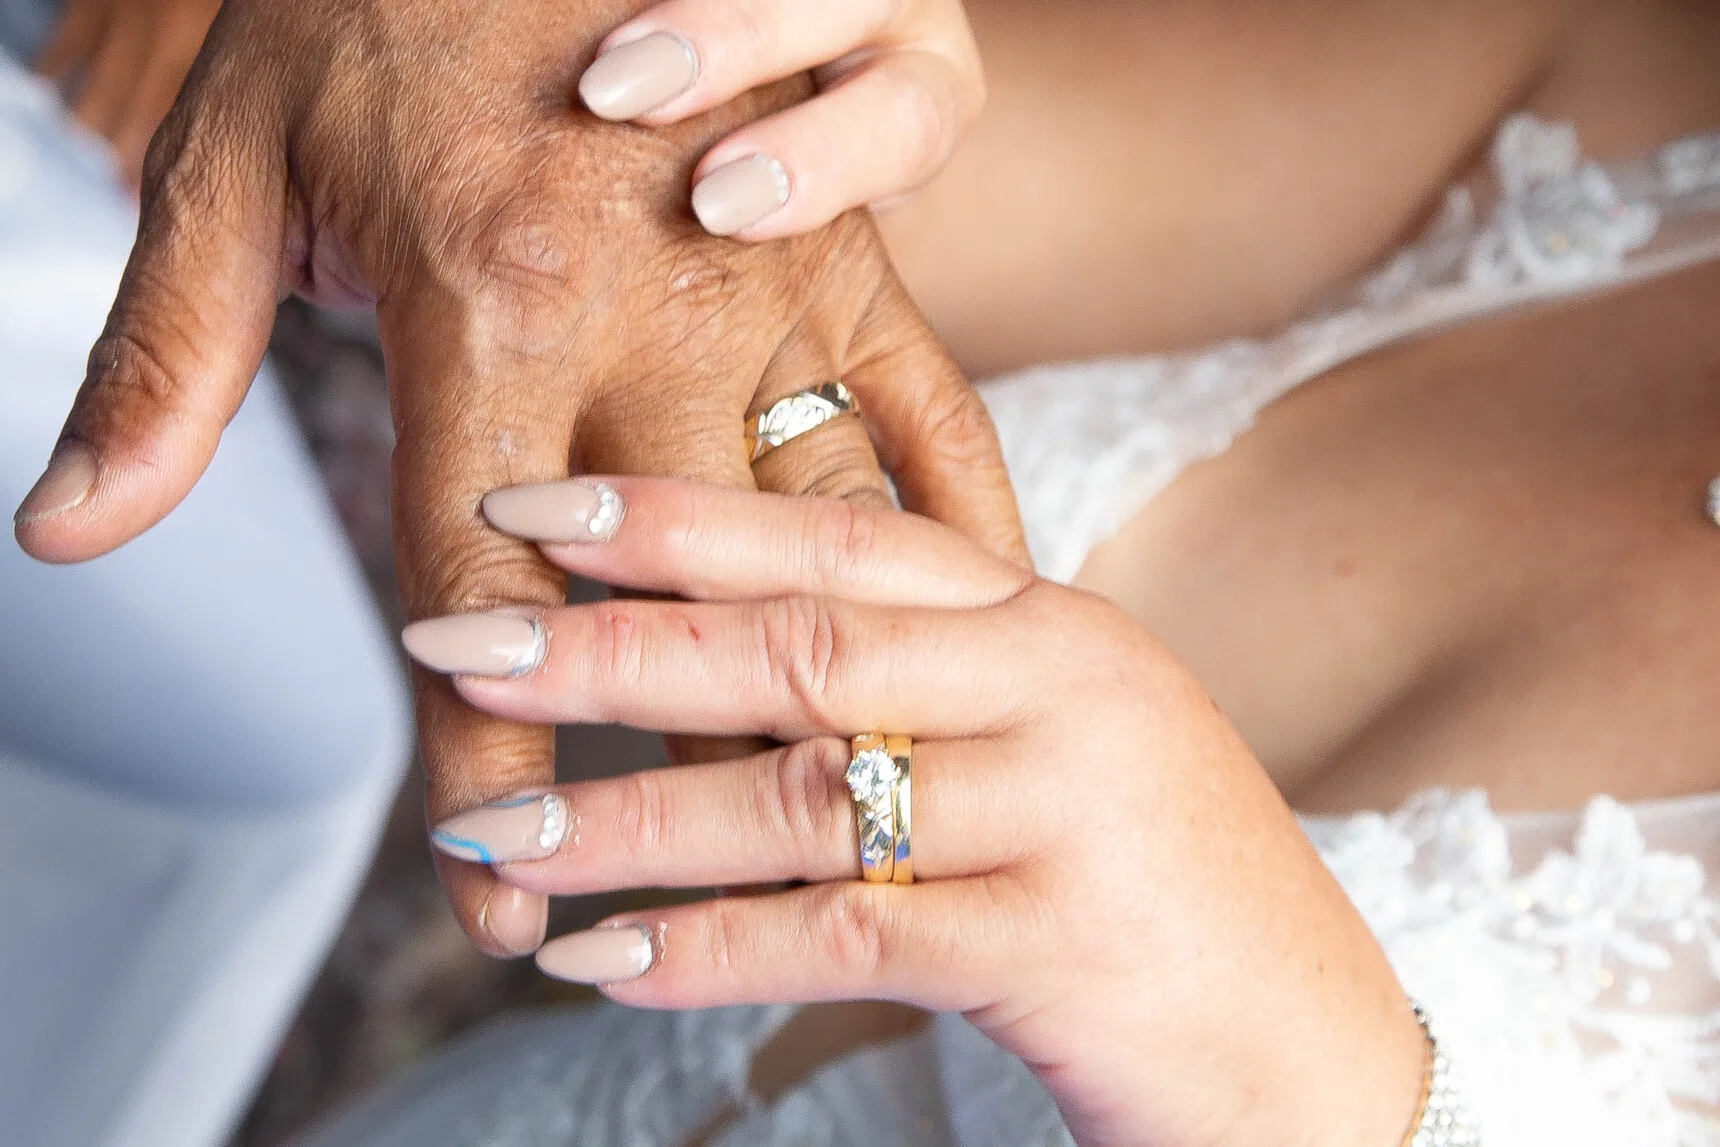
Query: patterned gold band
{"points": [[878, 780]]}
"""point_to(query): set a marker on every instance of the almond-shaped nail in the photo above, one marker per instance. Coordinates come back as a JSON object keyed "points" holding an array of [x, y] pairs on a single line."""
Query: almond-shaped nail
{"points": [[600, 956], [632, 78], [68, 480], [524, 828], [478, 644], [515, 919], [741, 194], [571, 511]]}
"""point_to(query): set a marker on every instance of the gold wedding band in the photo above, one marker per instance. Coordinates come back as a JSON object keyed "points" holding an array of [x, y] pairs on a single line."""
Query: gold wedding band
{"points": [[803, 411], [901, 750], [879, 779]]}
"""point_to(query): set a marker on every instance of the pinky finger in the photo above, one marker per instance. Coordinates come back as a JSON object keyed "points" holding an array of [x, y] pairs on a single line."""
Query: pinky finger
{"points": [[884, 128], [943, 946]]}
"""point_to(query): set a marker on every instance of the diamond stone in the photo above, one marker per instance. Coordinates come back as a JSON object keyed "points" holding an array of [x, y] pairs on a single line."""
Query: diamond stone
{"points": [[871, 775]]}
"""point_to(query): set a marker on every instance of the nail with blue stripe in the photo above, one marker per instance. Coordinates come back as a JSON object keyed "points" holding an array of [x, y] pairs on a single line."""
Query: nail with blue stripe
{"points": [[522, 828]]}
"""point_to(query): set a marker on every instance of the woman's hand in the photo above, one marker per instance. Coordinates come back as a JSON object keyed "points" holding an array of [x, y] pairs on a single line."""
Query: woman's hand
{"points": [[899, 82], [1109, 886], [546, 305], [128, 58]]}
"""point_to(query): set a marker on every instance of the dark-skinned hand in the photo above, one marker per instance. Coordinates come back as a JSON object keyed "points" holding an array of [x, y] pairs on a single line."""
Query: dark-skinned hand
{"points": [[547, 305]]}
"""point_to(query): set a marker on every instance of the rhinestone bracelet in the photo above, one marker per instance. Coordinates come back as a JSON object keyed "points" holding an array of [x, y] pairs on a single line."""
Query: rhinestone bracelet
{"points": [[1441, 1120]]}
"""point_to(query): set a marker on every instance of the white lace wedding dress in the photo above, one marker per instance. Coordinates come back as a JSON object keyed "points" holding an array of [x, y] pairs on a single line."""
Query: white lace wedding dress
{"points": [[1571, 960]]}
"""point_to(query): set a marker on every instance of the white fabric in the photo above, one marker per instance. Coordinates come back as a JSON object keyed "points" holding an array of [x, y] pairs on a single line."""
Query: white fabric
{"points": [[1571, 961], [199, 734], [1089, 443]]}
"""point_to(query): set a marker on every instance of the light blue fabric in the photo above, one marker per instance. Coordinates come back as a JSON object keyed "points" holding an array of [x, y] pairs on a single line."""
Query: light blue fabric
{"points": [[199, 733], [25, 26]]}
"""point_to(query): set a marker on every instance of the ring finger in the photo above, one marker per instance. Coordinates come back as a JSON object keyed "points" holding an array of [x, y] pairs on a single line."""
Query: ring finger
{"points": [[785, 814]]}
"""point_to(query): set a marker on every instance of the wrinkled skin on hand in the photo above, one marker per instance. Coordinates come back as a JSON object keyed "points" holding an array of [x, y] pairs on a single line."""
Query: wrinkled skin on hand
{"points": [[546, 302]]}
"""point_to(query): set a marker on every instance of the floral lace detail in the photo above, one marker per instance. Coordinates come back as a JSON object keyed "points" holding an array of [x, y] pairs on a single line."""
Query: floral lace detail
{"points": [[1578, 997], [1089, 444]]}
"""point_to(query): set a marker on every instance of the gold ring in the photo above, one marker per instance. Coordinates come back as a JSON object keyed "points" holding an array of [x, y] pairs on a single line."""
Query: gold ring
{"points": [[874, 779], [789, 418], [901, 750]]}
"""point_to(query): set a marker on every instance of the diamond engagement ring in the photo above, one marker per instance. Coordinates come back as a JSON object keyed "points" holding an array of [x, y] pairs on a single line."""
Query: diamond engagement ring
{"points": [[800, 412], [880, 781]]}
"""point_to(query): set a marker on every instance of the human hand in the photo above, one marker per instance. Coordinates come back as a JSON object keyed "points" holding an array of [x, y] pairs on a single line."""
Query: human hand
{"points": [[545, 305], [899, 83], [1109, 885], [129, 58]]}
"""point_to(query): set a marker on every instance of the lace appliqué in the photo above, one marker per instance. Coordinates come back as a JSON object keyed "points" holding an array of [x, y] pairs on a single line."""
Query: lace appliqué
{"points": [[1088, 444], [1578, 997]]}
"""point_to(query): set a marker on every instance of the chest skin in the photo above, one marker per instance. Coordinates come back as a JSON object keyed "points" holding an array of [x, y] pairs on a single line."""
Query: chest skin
{"points": [[1481, 558]]}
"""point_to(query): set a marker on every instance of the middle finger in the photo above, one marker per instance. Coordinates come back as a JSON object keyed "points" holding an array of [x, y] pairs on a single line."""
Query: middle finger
{"points": [[787, 668]]}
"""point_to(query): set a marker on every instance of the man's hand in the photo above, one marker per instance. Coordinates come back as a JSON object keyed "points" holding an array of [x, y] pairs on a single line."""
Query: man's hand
{"points": [[546, 302]]}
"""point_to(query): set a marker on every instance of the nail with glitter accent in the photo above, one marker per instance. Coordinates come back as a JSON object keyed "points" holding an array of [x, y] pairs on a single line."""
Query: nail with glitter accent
{"points": [[477, 644], [741, 194], [633, 78], [600, 956], [524, 828], [576, 510], [68, 480]]}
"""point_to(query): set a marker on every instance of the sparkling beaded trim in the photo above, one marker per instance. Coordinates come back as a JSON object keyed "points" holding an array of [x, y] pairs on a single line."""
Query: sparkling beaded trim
{"points": [[1443, 1120]]}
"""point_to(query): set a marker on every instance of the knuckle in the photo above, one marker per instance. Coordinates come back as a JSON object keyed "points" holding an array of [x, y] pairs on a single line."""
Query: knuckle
{"points": [[800, 806], [1090, 645], [642, 827], [617, 642], [131, 379], [528, 251], [955, 426], [841, 542], [800, 641], [853, 932], [725, 942], [445, 566]]}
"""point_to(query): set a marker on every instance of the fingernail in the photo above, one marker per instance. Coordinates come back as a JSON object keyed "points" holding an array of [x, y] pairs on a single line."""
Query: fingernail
{"points": [[571, 511], [516, 920], [68, 480], [479, 644], [740, 194], [632, 78], [524, 828], [600, 956]]}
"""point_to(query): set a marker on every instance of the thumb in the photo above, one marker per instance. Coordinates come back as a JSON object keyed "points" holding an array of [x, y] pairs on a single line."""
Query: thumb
{"points": [[181, 345]]}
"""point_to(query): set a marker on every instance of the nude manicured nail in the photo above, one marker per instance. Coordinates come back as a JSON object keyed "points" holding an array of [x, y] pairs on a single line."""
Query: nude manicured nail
{"points": [[572, 511], [68, 480], [600, 956], [516, 920], [524, 828], [479, 644], [632, 78], [740, 194]]}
